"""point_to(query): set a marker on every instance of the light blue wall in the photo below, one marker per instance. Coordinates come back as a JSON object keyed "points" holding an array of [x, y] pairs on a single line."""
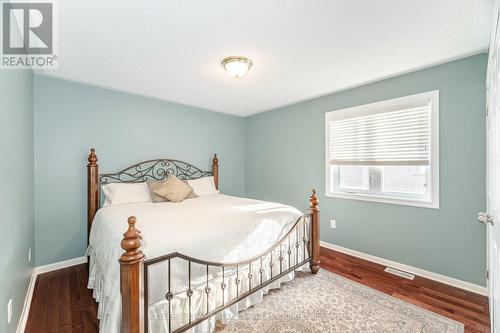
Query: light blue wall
{"points": [[70, 118], [16, 191], [285, 158]]}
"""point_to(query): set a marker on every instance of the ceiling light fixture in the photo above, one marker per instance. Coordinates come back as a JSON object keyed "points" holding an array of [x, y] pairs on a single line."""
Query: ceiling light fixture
{"points": [[236, 66]]}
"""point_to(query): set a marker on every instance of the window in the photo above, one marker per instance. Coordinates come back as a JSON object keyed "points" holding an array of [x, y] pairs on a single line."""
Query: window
{"points": [[386, 151]]}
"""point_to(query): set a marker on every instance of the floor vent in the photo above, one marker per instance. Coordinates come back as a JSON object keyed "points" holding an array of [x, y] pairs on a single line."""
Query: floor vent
{"points": [[397, 272]]}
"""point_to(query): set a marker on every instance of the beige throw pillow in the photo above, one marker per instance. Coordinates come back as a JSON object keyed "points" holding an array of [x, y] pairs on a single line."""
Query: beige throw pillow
{"points": [[153, 186], [174, 189], [156, 184]]}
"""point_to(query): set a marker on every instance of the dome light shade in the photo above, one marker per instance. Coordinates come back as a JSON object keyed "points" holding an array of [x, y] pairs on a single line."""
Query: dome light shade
{"points": [[236, 66]]}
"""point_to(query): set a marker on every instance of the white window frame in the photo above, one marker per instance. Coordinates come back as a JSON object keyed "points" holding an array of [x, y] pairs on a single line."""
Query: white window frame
{"points": [[433, 201]]}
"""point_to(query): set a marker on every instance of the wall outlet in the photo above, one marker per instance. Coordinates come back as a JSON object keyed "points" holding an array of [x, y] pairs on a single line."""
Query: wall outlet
{"points": [[9, 311], [333, 224], [29, 255]]}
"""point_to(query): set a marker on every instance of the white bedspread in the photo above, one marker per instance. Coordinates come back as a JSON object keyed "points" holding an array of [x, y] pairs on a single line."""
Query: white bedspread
{"points": [[216, 227]]}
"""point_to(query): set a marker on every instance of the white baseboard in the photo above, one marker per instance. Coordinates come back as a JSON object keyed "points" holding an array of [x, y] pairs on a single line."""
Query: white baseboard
{"points": [[27, 303], [31, 287], [60, 265], [410, 269]]}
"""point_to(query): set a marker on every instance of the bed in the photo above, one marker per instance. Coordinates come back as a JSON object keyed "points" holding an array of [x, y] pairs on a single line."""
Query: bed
{"points": [[186, 266]]}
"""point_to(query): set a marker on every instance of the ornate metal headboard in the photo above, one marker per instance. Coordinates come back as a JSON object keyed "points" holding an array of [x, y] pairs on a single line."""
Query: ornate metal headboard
{"points": [[154, 170], [157, 169]]}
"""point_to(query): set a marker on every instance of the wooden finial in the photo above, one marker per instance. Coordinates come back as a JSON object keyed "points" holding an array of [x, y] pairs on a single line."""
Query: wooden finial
{"points": [[315, 228], [215, 170], [93, 201], [130, 278], [313, 201], [131, 243], [92, 158]]}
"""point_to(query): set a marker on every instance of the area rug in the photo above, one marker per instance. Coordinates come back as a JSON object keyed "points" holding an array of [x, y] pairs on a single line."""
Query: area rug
{"points": [[327, 302]]}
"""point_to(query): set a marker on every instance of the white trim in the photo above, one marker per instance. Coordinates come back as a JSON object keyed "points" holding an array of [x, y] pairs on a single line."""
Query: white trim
{"points": [[410, 269], [27, 303], [31, 287], [382, 199], [60, 265], [433, 202]]}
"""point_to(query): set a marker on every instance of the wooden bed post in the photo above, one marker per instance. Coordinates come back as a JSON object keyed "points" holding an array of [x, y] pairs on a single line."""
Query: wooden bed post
{"points": [[314, 210], [130, 278], [215, 171], [92, 190]]}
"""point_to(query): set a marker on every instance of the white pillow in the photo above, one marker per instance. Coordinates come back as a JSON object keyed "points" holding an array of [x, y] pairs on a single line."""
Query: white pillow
{"points": [[203, 186], [125, 193]]}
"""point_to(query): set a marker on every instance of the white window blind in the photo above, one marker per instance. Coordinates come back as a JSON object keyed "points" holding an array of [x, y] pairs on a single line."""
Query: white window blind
{"points": [[382, 137], [386, 151]]}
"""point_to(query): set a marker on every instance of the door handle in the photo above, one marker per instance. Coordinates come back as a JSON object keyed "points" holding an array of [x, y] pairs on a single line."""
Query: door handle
{"points": [[485, 218]]}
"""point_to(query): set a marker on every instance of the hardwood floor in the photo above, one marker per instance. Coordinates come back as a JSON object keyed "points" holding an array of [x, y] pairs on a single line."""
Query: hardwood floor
{"points": [[460, 305], [62, 303]]}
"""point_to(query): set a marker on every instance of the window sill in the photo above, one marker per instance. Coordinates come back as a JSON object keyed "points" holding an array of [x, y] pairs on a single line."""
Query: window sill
{"points": [[376, 198]]}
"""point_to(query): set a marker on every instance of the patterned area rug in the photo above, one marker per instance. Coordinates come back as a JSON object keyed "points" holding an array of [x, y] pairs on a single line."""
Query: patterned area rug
{"points": [[327, 302]]}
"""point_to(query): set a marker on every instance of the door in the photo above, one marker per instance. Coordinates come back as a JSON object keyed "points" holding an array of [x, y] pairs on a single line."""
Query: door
{"points": [[493, 172]]}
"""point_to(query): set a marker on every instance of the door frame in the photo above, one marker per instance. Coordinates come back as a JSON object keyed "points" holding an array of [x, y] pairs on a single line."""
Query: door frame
{"points": [[492, 155]]}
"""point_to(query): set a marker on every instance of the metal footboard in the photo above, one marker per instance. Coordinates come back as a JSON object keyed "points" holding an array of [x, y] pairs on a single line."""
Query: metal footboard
{"points": [[206, 288], [289, 253]]}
